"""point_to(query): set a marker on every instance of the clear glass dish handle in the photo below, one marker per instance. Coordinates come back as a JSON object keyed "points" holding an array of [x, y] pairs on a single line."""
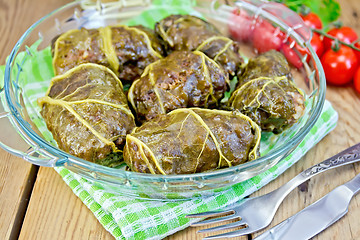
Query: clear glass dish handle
{"points": [[14, 140]]}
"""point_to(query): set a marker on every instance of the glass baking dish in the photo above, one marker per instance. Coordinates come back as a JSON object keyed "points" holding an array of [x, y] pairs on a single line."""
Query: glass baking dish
{"points": [[25, 134]]}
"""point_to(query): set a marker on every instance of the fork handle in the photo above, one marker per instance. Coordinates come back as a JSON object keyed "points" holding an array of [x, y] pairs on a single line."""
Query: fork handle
{"points": [[348, 156]]}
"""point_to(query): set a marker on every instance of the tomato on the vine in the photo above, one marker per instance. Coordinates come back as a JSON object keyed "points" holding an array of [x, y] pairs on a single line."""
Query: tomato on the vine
{"points": [[340, 65], [357, 80], [267, 37], [345, 34], [312, 20]]}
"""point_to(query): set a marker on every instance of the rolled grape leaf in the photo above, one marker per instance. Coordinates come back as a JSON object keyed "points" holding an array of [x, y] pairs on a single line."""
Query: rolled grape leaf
{"points": [[273, 103], [86, 110], [269, 64], [192, 140], [182, 79], [125, 50], [185, 32], [78, 46], [135, 48]]}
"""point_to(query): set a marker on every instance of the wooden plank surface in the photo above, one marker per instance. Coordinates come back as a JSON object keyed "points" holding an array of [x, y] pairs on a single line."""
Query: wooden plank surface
{"points": [[54, 212], [16, 176], [16, 180]]}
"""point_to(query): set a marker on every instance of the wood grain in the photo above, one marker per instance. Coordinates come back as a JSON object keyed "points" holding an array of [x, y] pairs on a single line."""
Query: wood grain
{"points": [[16, 180], [16, 176], [17, 16], [54, 212]]}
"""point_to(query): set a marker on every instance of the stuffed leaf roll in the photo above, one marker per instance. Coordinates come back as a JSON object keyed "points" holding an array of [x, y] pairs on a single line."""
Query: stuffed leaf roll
{"points": [[191, 140], [267, 93], [268, 64], [86, 110], [273, 103], [78, 46], [182, 79], [125, 50], [135, 48], [185, 32]]}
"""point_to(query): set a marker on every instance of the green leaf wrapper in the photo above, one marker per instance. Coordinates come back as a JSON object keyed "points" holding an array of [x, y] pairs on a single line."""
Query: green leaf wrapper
{"points": [[191, 140], [126, 50], [182, 79], [267, 94], [186, 32], [86, 110]]}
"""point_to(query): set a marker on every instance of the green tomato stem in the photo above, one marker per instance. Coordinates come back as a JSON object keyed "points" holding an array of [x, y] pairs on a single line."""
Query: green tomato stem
{"points": [[337, 41]]}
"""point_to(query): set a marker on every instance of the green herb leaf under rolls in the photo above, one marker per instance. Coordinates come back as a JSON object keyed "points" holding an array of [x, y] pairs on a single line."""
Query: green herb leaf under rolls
{"points": [[182, 79], [125, 50], [186, 32], [191, 140], [86, 110], [273, 103]]}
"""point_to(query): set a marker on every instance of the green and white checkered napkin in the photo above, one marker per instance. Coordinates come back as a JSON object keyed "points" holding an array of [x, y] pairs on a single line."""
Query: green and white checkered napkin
{"points": [[127, 218]]}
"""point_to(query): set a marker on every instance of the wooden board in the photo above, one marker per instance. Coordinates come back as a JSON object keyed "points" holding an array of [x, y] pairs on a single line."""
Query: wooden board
{"points": [[16, 180], [16, 176], [55, 212]]}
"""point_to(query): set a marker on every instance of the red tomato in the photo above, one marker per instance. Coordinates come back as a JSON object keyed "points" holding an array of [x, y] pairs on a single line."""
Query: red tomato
{"points": [[291, 56], [357, 80], [312, 20], [302, 50], [345, 34], [267, 37], [240, 25], [339, 66], [317, 44], [357, 52]]}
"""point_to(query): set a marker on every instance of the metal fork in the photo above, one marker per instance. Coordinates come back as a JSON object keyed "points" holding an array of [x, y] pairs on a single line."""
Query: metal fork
{"points": [[256, 213]]}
